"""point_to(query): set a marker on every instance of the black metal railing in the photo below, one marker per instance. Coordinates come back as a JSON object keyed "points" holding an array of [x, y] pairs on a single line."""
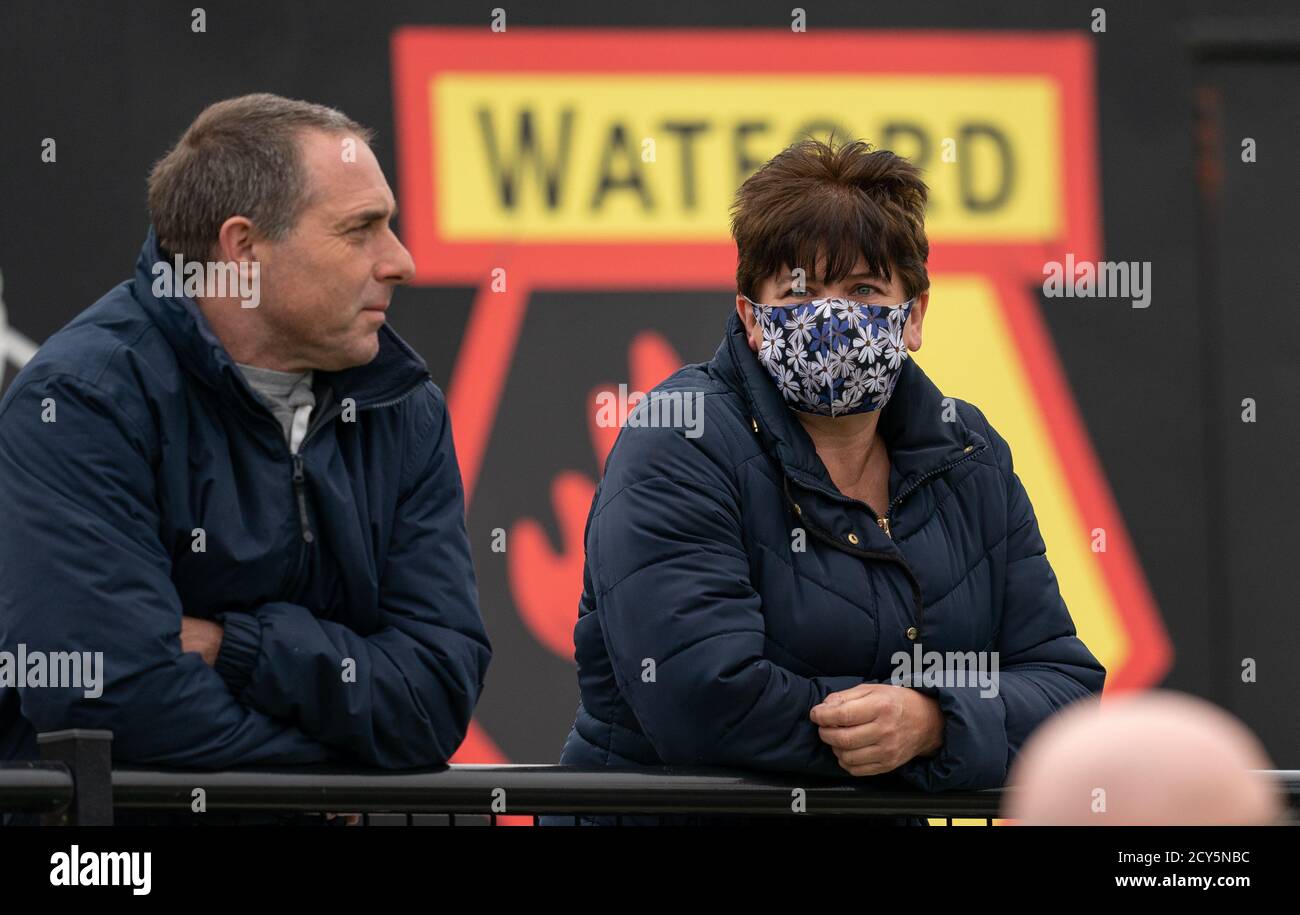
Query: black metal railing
{"points": [[74, 784]]}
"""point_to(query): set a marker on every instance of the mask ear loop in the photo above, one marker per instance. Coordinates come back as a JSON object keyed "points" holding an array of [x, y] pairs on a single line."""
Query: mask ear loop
{"points": [[907, 314]]}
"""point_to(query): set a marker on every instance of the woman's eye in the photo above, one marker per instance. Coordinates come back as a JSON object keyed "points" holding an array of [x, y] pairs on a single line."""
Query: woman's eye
{"points": [[871, 289]]}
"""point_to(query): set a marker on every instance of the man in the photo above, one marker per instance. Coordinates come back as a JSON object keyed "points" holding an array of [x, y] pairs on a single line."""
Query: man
{"points": [[1156, 758], [236, 484]]}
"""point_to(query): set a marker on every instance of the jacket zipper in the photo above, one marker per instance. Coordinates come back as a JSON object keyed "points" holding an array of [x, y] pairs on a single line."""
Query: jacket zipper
{"points": [[883, 523], [300, 476], [897, 558], [300, 498]]}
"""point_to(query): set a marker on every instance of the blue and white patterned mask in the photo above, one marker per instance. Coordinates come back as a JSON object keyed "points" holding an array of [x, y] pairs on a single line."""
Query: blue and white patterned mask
{"points": [[833, 357]]}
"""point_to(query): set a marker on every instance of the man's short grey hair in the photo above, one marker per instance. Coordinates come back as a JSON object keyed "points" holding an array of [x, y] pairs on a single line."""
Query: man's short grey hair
{"points": [[240, 157]]}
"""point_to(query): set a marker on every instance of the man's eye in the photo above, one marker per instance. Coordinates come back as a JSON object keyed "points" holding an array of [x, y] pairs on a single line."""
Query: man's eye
{"points": [[867, 286]]}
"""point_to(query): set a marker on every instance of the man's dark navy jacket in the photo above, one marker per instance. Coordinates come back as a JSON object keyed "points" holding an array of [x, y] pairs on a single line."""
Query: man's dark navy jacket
{"points": [[352, 629]]}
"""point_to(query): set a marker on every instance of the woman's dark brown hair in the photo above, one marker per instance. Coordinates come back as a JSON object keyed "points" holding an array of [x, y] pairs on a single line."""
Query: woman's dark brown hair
{"points": [[840, 201]]}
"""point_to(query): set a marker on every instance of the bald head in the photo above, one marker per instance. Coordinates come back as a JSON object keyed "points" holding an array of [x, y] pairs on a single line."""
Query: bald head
{"points": [[1156, 758]]}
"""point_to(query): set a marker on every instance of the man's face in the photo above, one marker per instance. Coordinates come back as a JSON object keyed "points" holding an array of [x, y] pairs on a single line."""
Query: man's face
{"points": [[326, 285]]}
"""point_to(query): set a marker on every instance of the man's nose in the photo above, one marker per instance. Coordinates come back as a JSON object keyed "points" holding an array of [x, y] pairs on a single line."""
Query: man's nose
{"points": [[398, 266]]}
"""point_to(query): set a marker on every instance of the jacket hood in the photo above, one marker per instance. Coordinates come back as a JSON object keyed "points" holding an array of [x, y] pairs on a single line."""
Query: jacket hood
{"points": [[393, 371], [911, 422]]}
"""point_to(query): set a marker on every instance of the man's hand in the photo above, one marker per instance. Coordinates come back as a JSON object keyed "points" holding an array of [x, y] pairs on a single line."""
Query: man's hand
{"points": [[202, 636], [874, 728]]}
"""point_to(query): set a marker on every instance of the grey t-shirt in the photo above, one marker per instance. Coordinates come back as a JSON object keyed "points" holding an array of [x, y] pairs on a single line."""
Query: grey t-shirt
{"points": [[288, 394]]}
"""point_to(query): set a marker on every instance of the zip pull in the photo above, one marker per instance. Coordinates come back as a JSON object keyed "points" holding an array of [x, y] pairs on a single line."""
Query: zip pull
{"points": [[883, 524], [298, 478]]}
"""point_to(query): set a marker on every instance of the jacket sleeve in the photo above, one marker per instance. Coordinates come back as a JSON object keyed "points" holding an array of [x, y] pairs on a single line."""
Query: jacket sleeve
{"points": [[82, 569], [1042, 664], [412, 685], [682, 623]]}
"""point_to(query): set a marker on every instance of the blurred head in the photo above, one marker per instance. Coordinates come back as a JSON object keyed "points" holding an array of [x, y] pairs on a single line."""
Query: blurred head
{"points": [[851, 219], [1151, 759], [294, 188]]}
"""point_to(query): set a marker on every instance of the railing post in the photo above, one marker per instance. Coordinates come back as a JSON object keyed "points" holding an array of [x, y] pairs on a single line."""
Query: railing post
{"points": [[89, 756]]}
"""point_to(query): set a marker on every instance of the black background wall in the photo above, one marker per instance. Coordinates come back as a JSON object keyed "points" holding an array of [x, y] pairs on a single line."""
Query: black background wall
{"points": [[1209, 501]]}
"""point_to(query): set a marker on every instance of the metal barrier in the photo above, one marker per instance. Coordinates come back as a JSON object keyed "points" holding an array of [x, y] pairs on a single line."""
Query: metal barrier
{"points": [[75, 785]]}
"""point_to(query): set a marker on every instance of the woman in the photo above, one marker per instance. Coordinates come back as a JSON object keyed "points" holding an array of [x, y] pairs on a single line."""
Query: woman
{"points": [[753, 595]]}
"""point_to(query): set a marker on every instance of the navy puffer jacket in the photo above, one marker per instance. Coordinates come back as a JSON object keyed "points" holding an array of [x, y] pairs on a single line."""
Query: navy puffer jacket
{"points": [[342, 576], [690, 564]]}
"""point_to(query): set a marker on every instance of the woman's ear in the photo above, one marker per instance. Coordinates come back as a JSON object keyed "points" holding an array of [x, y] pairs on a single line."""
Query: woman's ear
{"points": [[753, 332], [915, 318]]}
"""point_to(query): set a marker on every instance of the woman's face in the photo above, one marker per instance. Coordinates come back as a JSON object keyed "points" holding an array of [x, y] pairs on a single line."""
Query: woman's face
{"points": [[860, 285]]}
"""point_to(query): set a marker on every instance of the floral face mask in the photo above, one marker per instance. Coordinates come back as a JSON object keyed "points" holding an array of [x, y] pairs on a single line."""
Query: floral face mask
{"points": [[833, 356]]}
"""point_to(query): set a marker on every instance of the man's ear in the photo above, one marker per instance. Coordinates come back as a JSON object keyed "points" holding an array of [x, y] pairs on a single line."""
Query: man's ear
{"points": [[752, 332], [235, 240]]}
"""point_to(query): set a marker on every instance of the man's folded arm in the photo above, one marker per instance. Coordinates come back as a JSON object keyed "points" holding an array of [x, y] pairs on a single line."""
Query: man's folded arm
{"points": [[402, 696], [83, 569]]}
